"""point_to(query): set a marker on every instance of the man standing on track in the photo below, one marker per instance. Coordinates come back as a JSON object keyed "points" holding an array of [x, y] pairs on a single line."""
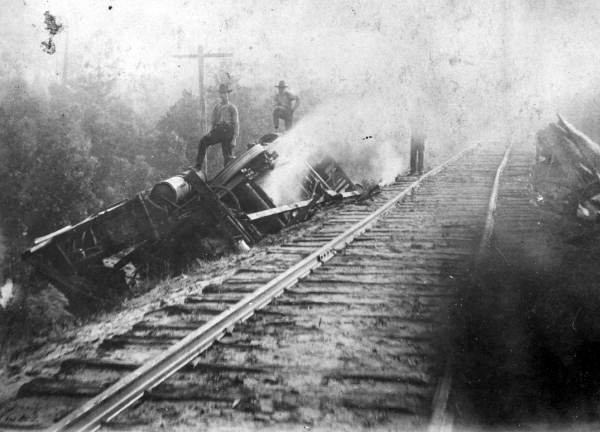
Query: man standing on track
{"points": [[283, 107], [225, 129], [417, 152]]}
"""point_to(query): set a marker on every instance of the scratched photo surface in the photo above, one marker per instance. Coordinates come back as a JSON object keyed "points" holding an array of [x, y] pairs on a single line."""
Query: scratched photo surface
{"points": [[150, 150]]}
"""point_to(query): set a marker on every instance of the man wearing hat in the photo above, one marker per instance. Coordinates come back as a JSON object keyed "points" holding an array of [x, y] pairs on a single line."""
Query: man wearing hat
{"points": [[283, 108], [225, 129]]}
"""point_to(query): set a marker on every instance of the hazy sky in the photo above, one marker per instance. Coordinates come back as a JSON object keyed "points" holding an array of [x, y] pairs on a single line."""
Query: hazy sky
{"points": [[448, 58]]}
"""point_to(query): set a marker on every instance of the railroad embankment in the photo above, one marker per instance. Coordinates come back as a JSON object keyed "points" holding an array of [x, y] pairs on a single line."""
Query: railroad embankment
{"points": [[527, 328]]}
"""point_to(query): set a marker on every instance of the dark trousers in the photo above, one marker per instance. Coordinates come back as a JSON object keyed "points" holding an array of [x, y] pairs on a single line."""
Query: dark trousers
{"points": [[221, 133], [417, 150], [285, 114]]}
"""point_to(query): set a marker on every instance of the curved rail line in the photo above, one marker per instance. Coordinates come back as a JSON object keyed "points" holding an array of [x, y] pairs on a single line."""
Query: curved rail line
{"points": [[489, 220], [441, 419]]}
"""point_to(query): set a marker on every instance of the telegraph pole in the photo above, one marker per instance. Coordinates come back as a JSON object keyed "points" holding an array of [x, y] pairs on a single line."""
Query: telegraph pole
{"points": [[201, 55]]}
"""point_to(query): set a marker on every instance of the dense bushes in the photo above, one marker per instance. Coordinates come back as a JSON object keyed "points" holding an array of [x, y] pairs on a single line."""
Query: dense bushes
{"points": [[65, 154], [75, 150], [70, 150]]}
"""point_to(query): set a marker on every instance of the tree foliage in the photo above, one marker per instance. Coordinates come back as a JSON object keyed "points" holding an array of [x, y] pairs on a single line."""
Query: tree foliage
{"points": [[177, 134], [70, 150], [46, 171]]}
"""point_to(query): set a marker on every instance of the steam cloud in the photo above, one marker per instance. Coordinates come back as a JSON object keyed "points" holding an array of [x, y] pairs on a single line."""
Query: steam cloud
{"points": [[363, 135]]}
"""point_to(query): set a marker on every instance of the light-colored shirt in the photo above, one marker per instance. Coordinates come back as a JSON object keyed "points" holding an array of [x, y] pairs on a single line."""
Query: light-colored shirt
{"points": [[226, 113], [285, 99]]}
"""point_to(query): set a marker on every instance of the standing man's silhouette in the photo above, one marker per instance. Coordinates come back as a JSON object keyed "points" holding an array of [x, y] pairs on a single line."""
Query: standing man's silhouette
{"points": [[225, 129], [284, 105]]}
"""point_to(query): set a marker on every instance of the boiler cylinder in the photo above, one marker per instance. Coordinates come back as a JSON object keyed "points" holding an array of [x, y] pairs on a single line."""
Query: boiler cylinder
{"points": [[172, 190]]}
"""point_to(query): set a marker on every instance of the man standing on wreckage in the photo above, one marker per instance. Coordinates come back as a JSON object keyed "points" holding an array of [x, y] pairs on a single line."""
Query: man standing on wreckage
{"points": [[284, 105], [225, 129]]}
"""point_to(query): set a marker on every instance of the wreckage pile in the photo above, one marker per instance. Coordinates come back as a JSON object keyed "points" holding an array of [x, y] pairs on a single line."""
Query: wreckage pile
{"points": [[161, 230], [568, 168]]}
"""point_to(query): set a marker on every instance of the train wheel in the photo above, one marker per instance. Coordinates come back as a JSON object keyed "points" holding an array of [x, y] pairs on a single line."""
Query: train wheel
{"points": [[236, 166]]}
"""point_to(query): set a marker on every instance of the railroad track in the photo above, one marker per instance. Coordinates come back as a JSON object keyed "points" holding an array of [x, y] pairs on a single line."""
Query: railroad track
{"points": [[517, 220], [342, 327]]}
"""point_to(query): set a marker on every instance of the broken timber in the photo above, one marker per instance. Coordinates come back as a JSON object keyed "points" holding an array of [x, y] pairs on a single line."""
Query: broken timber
{"points": [[183, 209]]}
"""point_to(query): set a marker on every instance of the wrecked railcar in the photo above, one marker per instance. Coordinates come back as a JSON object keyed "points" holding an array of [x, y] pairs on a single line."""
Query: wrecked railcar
{"points": [[182, 217]]}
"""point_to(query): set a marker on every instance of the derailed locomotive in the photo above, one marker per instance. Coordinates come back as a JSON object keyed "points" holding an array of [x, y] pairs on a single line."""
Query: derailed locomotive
{"points": [[178, 218]]}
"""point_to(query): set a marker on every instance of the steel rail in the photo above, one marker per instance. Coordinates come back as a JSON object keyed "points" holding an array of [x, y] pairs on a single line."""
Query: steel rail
{"points": [[130, 388], [441, 419], [489, 220]]}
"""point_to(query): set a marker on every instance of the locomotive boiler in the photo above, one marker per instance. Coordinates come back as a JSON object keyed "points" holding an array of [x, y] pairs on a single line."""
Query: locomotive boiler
{"points": [[181, 218]]}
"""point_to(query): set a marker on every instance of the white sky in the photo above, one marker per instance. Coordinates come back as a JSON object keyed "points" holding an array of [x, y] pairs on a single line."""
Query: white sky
{"points": [[453, 54]]}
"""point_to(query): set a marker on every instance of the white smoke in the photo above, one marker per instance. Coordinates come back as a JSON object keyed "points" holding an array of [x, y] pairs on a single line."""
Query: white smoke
{"points": [[6, 290], [6, 293], [366, 135]]}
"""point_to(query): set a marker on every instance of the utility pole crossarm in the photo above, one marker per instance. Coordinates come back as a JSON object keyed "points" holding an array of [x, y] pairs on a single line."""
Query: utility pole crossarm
{"points": [[218, 55], [205, 55]]}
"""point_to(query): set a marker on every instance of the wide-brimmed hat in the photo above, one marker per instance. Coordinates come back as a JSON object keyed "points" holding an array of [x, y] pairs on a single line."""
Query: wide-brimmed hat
{"points": [[281, 84], [223, 88]]}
